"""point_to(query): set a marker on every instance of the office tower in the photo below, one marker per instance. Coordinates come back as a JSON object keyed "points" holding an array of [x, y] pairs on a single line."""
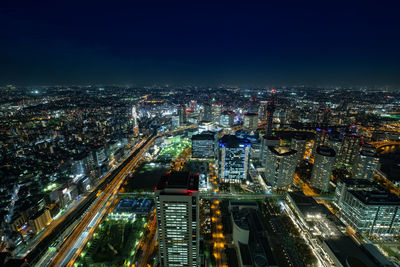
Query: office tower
{"points": [[349, 149], [135, 123], [343, 185], [203, 145], [253, 105], [365, 163], [234, 156], [207, 112], [322, 169], [299, 143], [282, 117], [262, 110], [227, 119], [182, 114], [216, 111], [270, 112], [280, 165], [372, 212], [178, 219], [250, 121]]}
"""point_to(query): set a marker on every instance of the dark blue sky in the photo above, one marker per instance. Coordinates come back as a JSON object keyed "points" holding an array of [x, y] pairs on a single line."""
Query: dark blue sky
{"points": [[247, 42]]}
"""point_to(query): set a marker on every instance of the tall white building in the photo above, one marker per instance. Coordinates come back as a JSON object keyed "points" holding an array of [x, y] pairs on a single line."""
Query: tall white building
{"points": [[280, 165], [322, 169], [178, 219], [365, 163]]}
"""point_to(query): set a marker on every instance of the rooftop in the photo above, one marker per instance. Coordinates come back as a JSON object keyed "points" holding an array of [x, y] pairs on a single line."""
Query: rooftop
{"points": [[326, 151], [376, 197], [179, 180], [233, 142]]}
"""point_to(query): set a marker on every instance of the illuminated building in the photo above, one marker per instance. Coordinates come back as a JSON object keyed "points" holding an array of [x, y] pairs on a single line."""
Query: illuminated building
{"points": [[343, 185], [40, 220], [226, 119], [207, 112], [182, 114], [234, 156], [280, 165], [322, 169], [371, 212], [262, 111], [270, 112], [216, 111], [177, 203], [299, 143], [250, 121], [203, 145], [365, 163], [135, 123], [349, 149], [253, 105]]}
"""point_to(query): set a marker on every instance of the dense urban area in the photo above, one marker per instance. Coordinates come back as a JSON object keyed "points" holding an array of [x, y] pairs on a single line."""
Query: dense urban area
{"points": [[199, 176]]}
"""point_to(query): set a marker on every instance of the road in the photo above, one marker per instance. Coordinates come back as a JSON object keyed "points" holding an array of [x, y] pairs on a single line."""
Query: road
{"points": [[73, 244]]}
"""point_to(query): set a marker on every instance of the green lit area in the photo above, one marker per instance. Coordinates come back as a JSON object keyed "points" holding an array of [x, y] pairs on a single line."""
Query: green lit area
{"points": [[114, 242], [174, 149], [50, 187]]}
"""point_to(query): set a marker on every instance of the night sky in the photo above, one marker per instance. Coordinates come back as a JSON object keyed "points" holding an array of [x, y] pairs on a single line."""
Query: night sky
{"points": [[248, 43]]}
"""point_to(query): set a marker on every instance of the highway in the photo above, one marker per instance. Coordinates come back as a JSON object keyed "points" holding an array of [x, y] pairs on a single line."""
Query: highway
{"points": [[75, 242]]}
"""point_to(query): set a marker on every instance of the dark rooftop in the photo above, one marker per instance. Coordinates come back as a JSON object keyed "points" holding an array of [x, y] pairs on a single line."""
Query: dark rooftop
{"points": [[326, 151], [376, 197], [203, 136], [282, 151], [232, 141], [179, 180]]}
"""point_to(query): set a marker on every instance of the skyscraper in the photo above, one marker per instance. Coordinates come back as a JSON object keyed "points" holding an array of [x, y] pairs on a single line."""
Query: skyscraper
{"points": [[182, 114], [250, 121], [280, 164], [365, 163], [322, 169], [207, 112], [226, 119], [178, 219], [234, 156], [270, 112], [203, 145], [216, 111]]}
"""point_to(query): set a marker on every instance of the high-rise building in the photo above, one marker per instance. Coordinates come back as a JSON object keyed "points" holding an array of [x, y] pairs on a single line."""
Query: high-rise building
{"points": [[299, 143], [372, 212], [280, 165], [226, 119], [203, 145], [182, 114], [343, 185], [270, 112], [178, 219], [365, 163], [250, 121], [262, 110], [135, 123], [216, 111], [322, 169], [253, 105], [234, 156], [349, 149], [207, 112]]}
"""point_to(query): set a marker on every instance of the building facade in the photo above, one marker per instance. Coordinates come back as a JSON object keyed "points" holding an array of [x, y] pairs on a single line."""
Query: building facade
{"points": [[280, 165], [234, 156], [322, 169], [371, 212], [177, 205], [203, 145], [365, 163]]}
